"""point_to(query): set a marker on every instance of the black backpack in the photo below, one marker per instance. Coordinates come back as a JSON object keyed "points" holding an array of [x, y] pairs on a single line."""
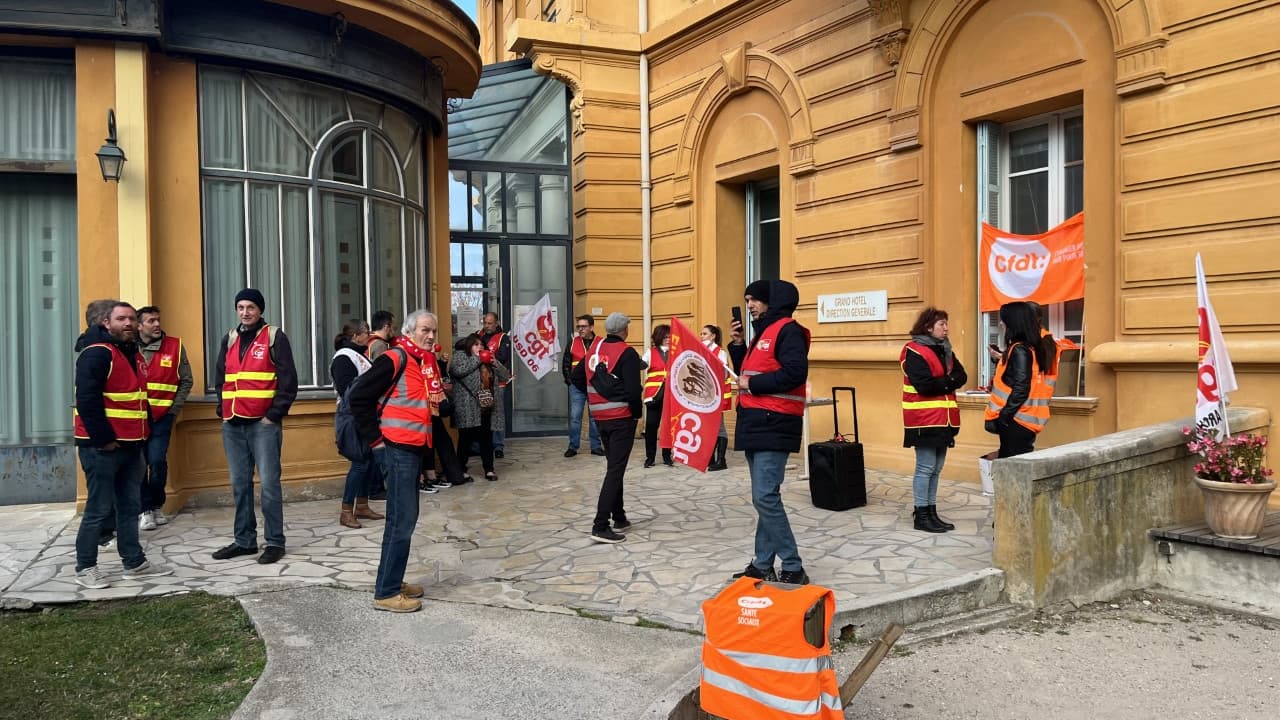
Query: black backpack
{"points": [[345, 431]]}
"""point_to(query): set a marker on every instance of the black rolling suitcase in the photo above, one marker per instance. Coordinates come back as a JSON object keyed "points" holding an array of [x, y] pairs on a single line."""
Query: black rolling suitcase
{"points": [[837, 473]]}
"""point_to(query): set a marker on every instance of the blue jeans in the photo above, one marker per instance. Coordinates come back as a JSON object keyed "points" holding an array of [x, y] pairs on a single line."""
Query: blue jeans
{"points": [[400, 469], [157, 450], [114, 480], [499, 440], [577, 405], [924, 485], [255, 444], [360, 477], [773, 531]]}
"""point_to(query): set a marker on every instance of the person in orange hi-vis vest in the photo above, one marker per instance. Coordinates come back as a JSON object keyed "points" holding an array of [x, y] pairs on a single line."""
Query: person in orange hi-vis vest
{"points": [[256, 382], [772, 373], [111, 424], [1019, 406], [655, 391], [766, 655], [585, 343], [169, 381]]}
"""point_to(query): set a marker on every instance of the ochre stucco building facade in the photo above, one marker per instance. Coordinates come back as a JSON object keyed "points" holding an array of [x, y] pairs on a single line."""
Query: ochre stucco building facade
{"points": [[854, 146]]}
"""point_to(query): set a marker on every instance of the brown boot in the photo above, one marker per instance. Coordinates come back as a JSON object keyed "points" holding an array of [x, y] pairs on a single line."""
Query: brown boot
{"points": [[364, 512], [347, 518]]}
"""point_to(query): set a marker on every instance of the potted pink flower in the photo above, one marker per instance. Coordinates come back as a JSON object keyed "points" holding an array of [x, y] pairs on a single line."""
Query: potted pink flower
{"points": [[1234, 482]]}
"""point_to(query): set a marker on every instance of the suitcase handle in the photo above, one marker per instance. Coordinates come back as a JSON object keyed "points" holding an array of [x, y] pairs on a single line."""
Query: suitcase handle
{"points": [[835, 412]]}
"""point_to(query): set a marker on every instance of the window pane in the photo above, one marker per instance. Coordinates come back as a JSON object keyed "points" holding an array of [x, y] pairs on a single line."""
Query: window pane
{"points": [[555, 204], [486, 205], [459, 207], [386, 174], [769, 203], [386, 263], [339, 263], [315, 108], [473, 260], [520, 202], [38, 113], [264, 244], [1029, 148], [1028, 204], [344, 161], [1073, 140], [415, 265], [224, 273], [362, 108], [401, 128], [274, 146], [1073, 190], [455, 259], [413, 177], [221, 137], [296, 315]]}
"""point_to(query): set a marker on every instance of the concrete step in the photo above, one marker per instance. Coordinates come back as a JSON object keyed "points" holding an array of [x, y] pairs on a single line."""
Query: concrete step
{"points": [[984, 618], [866, 619]]}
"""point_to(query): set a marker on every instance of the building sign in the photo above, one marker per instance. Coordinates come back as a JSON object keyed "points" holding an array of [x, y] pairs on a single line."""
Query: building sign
{"points": [[854, 307]]}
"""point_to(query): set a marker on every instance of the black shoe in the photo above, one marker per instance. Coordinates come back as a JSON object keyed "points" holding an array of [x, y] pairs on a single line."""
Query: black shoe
{"points": [[491, 476], [464, 480], [270, 554], [924, 521], [754, 572], [607, 536], [598, 451], [648, 462], [666, 459], [794, 577], [427, 487], [717, 456], [933, 512], [570, 452], [621, 525], [499, 454], [379, 495], [233, 550]]}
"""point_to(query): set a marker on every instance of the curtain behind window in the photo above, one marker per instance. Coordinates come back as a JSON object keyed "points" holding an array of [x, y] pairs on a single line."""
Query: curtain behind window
{"points": [[38, 113]]}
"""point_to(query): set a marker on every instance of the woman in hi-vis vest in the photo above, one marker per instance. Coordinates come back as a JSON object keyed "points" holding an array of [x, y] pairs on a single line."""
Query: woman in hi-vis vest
{"points": [[931, 374], [655, 391], [1019, 405], [714, 340]]}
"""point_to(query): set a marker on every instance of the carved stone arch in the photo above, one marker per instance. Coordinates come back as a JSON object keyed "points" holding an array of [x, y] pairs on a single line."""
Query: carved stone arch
{"points": [[568, 71], [1136, 35], [742, 69]]}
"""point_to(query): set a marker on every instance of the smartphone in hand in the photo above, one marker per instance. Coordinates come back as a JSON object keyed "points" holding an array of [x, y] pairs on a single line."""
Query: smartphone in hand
{"points": [[736, 312]]}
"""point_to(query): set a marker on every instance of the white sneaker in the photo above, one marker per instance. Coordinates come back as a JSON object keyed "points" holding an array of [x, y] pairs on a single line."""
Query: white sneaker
{"points": [[146, 570], [160, 517], [147, 521], [92, 578]]}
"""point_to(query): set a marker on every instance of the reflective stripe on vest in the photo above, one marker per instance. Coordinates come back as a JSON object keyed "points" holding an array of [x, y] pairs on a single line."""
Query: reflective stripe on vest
{"points": [[657, 375], [601, 407], [1034, 413], [761, 360], [250, 384], [406, 414], [124, 398], [920, 411], [162, 375], [578, 350]]}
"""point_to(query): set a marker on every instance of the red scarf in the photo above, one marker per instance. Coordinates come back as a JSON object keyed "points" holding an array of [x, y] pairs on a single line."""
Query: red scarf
{"points": [[430, 373]]}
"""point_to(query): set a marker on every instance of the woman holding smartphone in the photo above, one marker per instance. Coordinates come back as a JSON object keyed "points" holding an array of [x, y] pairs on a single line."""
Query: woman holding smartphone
{"points": [[930, 415], [1019, 405]]}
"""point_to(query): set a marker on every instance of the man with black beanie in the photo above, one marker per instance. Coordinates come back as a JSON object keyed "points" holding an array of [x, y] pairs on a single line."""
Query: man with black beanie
{"points": [[772, 373], [256, 382]]}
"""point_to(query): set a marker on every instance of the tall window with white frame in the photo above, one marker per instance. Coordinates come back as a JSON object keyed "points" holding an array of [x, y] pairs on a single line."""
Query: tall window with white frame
{"points": [[313, 195], [1031, 177]]}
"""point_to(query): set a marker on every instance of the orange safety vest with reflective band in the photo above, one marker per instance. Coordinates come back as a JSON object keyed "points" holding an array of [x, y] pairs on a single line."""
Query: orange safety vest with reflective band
{"points": [[250, 384], [726, 400], [761, 359], [657, 376], [124, 397], [1034, 413], [921, 411], [756, 662], [601, 408], [162, 376], [406, 414], [1051, 377], [578, 350]]}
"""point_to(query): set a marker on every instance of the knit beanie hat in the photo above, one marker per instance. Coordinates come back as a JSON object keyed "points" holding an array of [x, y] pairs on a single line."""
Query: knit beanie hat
{"points": [[758, 290], [253, 296]]}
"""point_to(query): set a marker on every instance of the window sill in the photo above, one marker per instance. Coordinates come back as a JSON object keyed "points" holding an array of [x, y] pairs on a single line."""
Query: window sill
{"points": [[1057, 406]]}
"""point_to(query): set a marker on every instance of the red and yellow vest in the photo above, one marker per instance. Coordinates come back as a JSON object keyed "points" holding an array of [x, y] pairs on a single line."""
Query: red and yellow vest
{"points": [[761, 359], [162, 376], [406, 414], [756, 661], [921, 411], [250, 384], [493, 343], [124, 397], [601, 408], [657, 376], [1034, 413], [578, 350]]}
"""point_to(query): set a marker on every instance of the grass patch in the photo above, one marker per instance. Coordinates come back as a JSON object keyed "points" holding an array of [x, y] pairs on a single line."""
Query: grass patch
{"points": [[189, 656]]}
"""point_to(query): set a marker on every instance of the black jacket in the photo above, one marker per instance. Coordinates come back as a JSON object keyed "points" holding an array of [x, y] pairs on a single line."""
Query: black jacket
{"points": [[566, 364], [921, 377], [759, 429], [342, 369], [504, 346], [286, 373], [92, 368], [369, 394], [1017, 375], [629, 369]]}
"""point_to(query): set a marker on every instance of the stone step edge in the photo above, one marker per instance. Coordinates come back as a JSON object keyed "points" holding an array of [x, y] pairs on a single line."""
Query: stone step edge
{"points": [[986, 618]]}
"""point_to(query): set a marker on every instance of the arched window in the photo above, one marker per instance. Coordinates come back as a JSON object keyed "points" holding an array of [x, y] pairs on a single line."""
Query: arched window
{"points": [[311, 194]]}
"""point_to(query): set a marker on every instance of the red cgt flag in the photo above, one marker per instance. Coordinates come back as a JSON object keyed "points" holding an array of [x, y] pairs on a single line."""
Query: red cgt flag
{"points": [[691, 408]]}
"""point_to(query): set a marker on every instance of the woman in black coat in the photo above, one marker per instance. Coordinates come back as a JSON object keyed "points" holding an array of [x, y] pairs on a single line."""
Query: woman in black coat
{"points": [[1029, 351], [930, 416]]}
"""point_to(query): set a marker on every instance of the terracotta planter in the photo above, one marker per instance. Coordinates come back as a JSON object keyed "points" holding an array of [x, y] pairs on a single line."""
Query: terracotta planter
{"points": [[1235, 510]]}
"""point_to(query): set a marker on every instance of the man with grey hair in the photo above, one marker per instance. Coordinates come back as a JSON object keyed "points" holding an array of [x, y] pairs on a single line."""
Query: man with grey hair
{"points": [[612, 378]]}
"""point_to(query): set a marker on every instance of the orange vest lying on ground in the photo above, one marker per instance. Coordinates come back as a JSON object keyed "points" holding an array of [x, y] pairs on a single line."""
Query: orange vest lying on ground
{"points": [[756, 661]]}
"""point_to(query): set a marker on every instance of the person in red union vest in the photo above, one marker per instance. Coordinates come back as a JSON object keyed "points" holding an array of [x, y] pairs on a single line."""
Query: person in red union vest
{"points": [[497, 342], [931, 374], [585, 343], [771, 381], [111, 425], [256, 382], [169, 382]]}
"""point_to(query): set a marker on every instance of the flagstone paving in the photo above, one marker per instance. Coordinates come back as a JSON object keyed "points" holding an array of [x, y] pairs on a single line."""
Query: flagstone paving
{"points": [[523, 542]]}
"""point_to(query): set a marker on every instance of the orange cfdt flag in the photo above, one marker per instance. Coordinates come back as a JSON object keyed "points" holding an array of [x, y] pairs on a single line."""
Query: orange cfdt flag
{"points": [[1045, 268]]}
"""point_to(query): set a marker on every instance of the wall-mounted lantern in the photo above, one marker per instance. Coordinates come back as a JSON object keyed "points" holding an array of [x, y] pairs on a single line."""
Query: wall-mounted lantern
{"points": [[110, 157]]}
